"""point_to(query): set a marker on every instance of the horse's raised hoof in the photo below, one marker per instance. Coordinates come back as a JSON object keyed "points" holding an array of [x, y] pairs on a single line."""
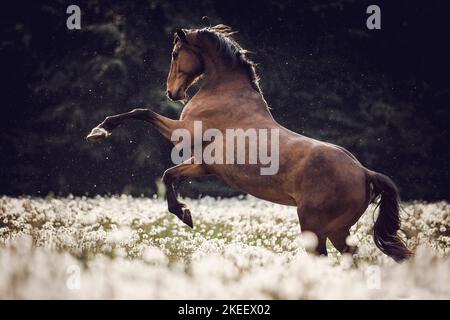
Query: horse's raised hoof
{"points": [[187, 218], [182, 213], [97, 134]]}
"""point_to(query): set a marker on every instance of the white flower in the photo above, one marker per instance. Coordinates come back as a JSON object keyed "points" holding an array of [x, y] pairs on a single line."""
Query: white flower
{"points": [[244, 248]]}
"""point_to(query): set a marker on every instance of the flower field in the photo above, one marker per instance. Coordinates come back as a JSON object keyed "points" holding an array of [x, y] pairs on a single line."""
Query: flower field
{"points": [[241, 248]]}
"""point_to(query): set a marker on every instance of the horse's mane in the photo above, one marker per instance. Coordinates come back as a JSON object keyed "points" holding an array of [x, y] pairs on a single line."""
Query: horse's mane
{"points": [[231, 51]]}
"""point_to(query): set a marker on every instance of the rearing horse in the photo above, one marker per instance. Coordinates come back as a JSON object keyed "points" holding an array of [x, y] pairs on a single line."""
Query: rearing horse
{"points": [[326, 183]]}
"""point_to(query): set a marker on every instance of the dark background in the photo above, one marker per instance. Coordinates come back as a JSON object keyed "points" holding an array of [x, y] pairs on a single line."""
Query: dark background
{"points": [[382, 94]]}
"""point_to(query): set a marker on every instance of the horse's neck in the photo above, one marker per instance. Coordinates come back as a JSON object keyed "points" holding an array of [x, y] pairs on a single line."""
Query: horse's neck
{"points": [[221, 79], [233, 98], [227, 91], [230, 84]]}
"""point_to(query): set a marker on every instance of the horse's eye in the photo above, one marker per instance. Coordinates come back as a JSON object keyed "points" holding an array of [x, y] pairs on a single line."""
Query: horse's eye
{"points": [[174, 55]]}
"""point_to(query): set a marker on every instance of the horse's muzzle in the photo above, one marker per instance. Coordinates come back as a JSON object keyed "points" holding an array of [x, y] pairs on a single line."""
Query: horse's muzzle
{"points": [[175, 96]]}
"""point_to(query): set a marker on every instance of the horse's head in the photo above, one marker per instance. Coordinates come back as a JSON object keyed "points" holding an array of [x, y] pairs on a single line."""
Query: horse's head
{"points": [[210, 51], [186, 65]]}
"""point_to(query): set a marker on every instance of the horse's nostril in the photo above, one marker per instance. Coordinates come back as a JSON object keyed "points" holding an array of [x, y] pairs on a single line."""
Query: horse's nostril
{"points": [[169, 94]]}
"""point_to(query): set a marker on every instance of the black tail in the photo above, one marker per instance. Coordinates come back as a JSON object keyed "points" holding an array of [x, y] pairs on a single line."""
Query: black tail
{"points": [[388, 221]]}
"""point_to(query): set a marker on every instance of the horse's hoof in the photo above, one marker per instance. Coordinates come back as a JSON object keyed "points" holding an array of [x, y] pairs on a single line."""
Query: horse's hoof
{"points": [[186, 217], [97, 134]]}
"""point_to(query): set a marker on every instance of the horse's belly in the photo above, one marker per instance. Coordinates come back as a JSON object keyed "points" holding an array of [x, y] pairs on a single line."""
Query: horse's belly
{"points": [[245, 178]]}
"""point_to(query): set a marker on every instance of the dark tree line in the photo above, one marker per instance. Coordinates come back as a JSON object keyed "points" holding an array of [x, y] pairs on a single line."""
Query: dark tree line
{"points": [[382, 94]]}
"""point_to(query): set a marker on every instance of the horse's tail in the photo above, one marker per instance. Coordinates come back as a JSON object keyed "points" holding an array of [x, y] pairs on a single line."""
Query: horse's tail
{"points": [[388, 221]]}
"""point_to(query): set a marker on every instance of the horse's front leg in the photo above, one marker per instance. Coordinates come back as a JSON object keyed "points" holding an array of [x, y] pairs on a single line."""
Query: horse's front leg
{"points": [[163, 124], [186, 169]]}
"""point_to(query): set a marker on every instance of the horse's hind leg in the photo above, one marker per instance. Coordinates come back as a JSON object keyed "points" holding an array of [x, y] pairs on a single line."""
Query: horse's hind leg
{"points": [[163, 124], [309, 222], [339, 241], [186, 169]]}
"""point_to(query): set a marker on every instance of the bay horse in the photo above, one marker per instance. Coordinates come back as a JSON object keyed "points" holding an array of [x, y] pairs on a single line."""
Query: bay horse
{"points": [[329, 186]]}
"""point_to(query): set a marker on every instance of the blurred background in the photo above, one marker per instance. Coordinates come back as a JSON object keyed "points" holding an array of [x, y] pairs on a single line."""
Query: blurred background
{"points": [[382, 94]]}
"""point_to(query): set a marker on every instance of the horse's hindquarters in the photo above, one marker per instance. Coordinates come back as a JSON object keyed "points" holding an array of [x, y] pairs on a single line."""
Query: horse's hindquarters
{"points": [[331, 190]]}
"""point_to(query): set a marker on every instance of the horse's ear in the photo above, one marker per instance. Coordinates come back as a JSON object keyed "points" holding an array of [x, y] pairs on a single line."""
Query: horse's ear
{"points": [[181, 35], [206, 22]]}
